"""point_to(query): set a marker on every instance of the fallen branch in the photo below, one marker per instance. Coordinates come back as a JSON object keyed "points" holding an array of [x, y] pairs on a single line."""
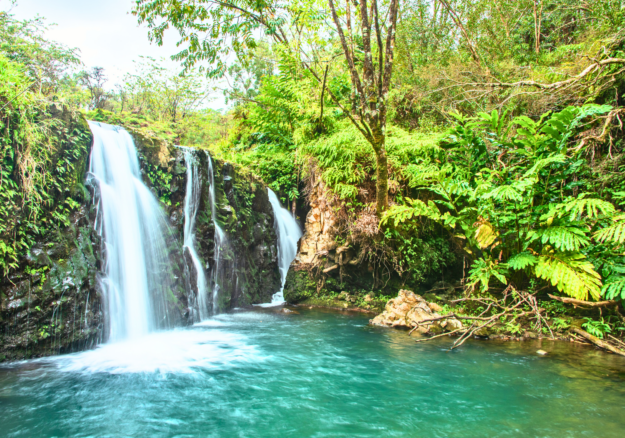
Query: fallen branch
{"points": [[555, 85], [598, 342], [584, 303], [620, 343], [438, 336]]}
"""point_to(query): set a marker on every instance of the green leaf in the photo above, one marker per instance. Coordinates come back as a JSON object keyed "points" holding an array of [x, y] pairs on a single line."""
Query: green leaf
{"points": [[522, 260], [614, 287], [571, 273], [562, 237], [615, 233]]}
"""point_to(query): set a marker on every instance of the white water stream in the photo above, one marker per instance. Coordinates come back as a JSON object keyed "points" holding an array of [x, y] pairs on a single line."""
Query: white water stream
{"points": [[221, 241], [134, 229], [191, 206], [289, 233]]}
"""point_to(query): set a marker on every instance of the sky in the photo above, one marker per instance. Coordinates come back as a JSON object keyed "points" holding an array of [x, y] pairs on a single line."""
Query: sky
{"points": [[105, 31]]}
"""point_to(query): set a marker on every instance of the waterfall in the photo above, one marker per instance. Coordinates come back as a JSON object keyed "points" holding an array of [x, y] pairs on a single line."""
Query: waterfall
{"points": [[191, 205], [137, 273], [289, 233], [221, 241]]}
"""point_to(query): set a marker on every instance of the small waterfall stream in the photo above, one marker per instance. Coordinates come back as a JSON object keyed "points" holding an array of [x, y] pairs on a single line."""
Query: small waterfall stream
{"points": [[221, 240], [191, 206], [289, 233], [137, 275]]}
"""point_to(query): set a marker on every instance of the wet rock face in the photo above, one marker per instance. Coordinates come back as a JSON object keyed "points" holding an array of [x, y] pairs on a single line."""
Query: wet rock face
{"points": [[52, 304], [410, 310], [248, 266]]}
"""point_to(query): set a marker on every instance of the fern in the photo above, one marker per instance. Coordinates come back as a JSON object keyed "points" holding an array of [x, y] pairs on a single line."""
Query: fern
{"points": [[541, 164], [402, 213], [483, 270], [561, 237], [575, 209], [614, 287], [504, 193], [522, 260], [615, 233], [570, 273]]}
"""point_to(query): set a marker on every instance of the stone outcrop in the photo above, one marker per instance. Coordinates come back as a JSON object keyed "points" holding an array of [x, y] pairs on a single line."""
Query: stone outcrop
{"points": [[248, 263], [323, 263], [410, 310], [318, 239]]}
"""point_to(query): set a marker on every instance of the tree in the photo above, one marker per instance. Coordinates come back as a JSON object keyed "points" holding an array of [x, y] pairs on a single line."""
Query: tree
{"points": [[163, 94], [46, 62], [367, 43], [94, 81]]}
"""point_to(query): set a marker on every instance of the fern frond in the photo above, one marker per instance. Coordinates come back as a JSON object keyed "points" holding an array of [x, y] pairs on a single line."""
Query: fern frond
{"points": [[576, 208], [615, 233], [591, 206], [522, 260], [571, 273], [541, 164], [401, 213], [614, 287], [561, 237], [504, 193]]}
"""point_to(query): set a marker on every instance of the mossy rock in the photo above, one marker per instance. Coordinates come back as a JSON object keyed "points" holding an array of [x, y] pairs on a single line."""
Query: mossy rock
{"points": [[298, 287]]}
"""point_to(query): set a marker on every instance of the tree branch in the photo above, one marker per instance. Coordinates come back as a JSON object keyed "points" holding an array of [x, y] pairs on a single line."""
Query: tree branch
{"points": [[583, 303]]}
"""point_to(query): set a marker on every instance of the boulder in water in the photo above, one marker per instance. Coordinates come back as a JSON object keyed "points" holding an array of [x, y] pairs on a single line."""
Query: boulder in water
{"points": [[288, 311], [409, 310]]}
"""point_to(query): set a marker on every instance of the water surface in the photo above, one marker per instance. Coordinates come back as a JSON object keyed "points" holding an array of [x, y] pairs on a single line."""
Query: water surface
{"points": [[313, 374]]}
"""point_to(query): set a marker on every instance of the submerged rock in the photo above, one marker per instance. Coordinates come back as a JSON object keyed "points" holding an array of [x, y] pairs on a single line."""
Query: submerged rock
{"points": [[410, 310]]}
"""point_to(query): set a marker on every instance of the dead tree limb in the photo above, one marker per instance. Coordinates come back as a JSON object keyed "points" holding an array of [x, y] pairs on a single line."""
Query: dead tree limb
{"points": [[598, 342], [582, 303]]}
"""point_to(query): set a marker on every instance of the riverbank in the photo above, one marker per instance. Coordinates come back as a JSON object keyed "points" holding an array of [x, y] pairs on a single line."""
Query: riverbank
{"points": [[448, 314]]}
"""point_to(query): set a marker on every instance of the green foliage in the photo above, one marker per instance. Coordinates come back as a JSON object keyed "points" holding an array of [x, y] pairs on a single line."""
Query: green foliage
{"points": [[570, 273], [483, 270], [560, 323], [614, 286], [596, 328], [42, 163], [521, 200], [522, 261]]}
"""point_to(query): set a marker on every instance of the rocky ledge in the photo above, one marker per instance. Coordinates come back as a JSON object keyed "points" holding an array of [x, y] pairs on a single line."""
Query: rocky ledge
{"points": [[411, 311]]}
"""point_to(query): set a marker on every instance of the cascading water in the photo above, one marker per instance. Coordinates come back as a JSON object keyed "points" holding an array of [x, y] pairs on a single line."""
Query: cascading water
{"points": [[220, 237], [134, 229], [289, 233], [191, 205]]}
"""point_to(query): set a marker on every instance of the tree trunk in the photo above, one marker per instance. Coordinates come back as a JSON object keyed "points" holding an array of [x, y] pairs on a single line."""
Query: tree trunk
{"points": [[381, 173]]}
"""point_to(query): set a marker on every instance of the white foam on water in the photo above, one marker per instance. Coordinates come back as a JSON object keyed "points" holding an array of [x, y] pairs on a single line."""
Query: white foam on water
{"points": [[180, 351]]}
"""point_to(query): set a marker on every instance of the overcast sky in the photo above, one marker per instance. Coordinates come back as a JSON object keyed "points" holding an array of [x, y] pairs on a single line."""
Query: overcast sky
{"points": [[104, 30]]}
